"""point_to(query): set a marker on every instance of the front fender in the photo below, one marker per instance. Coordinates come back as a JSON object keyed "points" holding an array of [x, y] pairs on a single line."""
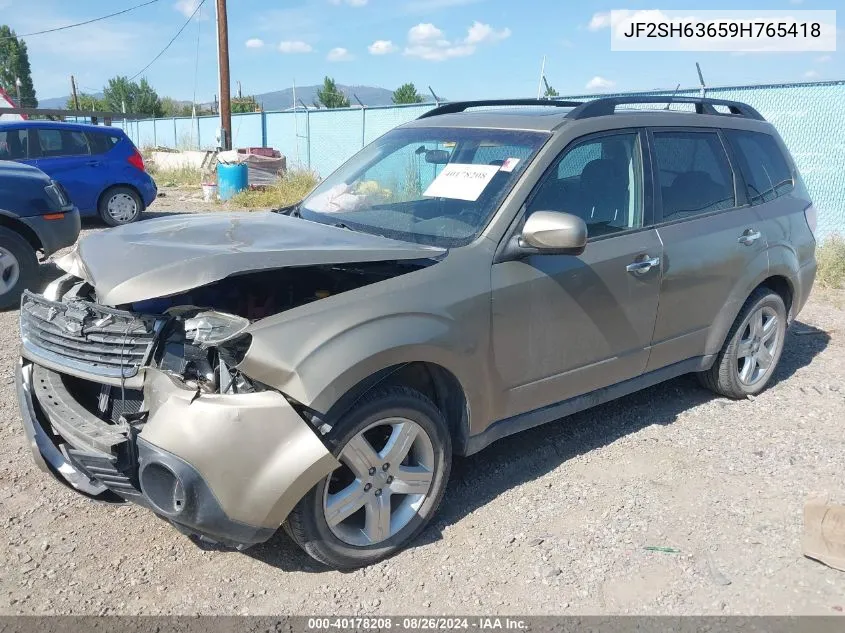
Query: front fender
{"points": [[327, 368]]}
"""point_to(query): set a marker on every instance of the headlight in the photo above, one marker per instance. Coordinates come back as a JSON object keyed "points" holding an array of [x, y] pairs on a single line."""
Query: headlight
{"points": [[213, 328]]}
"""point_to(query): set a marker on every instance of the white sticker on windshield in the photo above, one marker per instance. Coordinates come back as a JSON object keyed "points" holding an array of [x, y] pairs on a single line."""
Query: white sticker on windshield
{"points": [[461, 182], [509, 164]]}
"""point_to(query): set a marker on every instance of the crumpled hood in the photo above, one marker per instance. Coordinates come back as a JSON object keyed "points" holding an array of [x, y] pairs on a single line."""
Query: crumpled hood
{"points": [[166, 256]]}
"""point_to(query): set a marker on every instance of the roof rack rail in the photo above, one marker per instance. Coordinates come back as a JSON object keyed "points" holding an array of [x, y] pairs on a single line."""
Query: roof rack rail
{"points": [[607, 105], [460, 106]]}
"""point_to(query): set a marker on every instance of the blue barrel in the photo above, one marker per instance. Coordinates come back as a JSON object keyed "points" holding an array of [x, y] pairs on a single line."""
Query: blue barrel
{"points": [[231, 179]]}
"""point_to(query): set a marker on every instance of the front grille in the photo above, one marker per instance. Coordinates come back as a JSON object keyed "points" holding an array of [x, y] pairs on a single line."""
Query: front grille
{"points": [[86, 336], [120, 478]]}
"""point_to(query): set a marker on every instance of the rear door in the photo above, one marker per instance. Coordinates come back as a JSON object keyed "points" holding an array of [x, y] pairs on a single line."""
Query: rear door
{"points": [[64, 155], [14, 144], [711, 238]]}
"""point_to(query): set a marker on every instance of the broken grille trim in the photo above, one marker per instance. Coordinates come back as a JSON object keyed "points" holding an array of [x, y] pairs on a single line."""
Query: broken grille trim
{"points": [[122, 347]]}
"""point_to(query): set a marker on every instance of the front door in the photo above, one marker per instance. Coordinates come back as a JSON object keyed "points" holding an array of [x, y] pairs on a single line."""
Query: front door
{"points": [[566, 325]]}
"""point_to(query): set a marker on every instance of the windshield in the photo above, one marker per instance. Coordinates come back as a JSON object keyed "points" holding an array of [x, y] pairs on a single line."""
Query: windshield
{"points": [[434, 186]]}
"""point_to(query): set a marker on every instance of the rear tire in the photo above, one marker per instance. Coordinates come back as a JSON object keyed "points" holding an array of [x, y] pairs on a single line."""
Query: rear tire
{"points": [[375, 507], [752, 348], [18, 267], [120, 205]]}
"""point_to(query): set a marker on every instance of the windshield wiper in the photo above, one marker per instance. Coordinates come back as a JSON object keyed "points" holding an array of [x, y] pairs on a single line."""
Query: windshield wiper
{"points": [[341, 225], [292, 210]]}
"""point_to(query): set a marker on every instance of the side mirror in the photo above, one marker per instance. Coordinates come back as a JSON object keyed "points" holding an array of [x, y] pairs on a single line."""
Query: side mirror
{"points": [[554, 233]]}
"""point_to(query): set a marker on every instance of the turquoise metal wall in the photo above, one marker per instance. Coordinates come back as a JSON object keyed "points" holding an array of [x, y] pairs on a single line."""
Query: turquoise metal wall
{"points": [[809, 116]]}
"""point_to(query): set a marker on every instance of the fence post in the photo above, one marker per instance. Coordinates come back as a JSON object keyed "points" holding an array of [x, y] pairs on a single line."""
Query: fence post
{"points": [[363, 126], [308, 136], [199, 139], [155, 134], [263, 129], [175, 136]]}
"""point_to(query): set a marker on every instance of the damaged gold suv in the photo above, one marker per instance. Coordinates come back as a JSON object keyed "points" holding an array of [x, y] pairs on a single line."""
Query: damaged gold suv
{"points": [[470, 274]]}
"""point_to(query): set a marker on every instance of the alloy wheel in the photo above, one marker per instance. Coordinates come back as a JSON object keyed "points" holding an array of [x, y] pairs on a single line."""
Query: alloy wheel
{"points": [[386, 474], [758, 346]]}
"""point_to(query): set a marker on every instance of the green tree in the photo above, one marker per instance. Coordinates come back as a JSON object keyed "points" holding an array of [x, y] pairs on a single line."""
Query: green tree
{"points": [[407, 93], [550, 91], [244, 104], [330, 95], [14, 65], [139, 98], [86, 102]]}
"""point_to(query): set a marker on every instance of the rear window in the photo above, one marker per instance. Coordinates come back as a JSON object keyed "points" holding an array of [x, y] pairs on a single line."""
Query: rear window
{"points": [[54, 142], [766, 171], [101, 142], [694, 174], [13, 144]]}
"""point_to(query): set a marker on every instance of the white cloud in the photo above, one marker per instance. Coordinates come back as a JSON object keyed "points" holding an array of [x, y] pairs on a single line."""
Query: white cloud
{"points": [[824, 59], [599, 21], [811, 74], [480, 33], [425, 32], [351, 3], [255, 42], [428, 42], [339, 54], [600, 84], [187, 7], [294, 46], [381, 47]]}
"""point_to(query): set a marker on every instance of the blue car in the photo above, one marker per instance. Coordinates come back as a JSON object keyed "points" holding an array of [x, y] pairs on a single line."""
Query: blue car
{"points": [[99, 167]]}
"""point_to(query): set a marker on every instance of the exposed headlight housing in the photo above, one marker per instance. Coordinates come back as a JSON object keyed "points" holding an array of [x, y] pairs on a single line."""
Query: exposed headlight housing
{"points": [[213, 328]]}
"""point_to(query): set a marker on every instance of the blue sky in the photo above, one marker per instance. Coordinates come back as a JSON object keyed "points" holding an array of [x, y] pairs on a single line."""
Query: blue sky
{"points": [[462, 48]]}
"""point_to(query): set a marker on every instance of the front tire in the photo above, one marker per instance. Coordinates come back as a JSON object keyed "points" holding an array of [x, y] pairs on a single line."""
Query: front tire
{"points": [[752, 349], [396, 454], [120, 205], [18, 267]]}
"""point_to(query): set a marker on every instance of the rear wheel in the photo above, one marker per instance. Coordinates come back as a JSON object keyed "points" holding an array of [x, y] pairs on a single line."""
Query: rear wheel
{"points": [[395, 453], [18, 267], [752, 349], [120, 205]]}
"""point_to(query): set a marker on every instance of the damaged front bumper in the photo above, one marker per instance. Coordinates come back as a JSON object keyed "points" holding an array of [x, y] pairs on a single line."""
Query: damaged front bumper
{"points": [[225, 467]]}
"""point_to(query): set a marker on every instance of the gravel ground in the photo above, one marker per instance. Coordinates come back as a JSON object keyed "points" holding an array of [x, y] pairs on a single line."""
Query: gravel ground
{"points": [[554, 520]]}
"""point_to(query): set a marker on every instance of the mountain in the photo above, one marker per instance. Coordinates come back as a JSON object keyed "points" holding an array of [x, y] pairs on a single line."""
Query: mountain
{"points": [[283, 99]]}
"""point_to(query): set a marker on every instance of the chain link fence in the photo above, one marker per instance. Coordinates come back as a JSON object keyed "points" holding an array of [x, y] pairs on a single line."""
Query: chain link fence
{"points": [[809, 116]]}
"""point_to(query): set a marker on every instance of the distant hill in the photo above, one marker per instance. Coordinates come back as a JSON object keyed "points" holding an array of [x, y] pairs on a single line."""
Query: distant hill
{"points": [[283, 99]]}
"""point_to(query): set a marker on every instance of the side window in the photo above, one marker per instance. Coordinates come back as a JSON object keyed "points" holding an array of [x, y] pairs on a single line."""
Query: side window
{"points": [[100, 143], [766, 172], [694, 174], [55, 142], [600, 180], [13, 144]]}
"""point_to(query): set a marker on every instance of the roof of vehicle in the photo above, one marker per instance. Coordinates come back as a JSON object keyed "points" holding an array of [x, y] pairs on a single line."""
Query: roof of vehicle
{"points": [[86, 127], [549, 115]]}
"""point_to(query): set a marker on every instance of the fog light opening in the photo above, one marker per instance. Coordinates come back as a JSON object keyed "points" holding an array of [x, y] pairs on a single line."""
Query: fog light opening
{"points": [[163, 488]]}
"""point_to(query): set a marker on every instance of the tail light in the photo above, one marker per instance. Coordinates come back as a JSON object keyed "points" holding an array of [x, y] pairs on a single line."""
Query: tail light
{"points": [[812, 219], [136, 160]]}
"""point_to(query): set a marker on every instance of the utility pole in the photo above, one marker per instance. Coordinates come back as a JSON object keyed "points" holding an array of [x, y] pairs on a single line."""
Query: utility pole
{"points": [[225, 84], [73, 92]]}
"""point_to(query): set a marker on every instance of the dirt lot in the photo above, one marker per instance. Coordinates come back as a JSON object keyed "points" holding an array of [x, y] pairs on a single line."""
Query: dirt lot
{"points": [[554, 520]]}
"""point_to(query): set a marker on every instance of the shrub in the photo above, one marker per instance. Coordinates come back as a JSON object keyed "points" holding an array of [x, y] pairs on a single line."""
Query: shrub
{"points": [[831, 260], [288, 190]]}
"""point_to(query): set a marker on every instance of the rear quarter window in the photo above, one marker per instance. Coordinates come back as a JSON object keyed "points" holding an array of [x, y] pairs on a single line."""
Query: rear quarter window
{"points": [[763, 165], [101, 142]]}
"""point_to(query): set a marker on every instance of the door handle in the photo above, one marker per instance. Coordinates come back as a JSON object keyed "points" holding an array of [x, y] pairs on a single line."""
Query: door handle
{"points": [[749, 237], [94, 163], [642, 267]]}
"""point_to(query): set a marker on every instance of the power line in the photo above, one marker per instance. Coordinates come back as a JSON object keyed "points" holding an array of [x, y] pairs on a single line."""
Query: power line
{"points": [[71, 26], [178, 33]]}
